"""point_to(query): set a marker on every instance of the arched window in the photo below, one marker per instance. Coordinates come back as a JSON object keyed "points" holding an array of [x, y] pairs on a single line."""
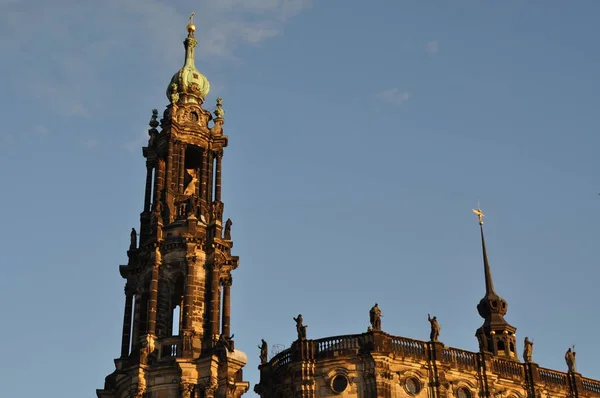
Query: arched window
{"points": [[500, 345]]}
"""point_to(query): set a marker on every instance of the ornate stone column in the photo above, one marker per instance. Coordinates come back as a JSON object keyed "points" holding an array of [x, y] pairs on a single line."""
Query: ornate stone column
{"points": [[135, 333], [226, 314], [153, 297], [204, 175], [214, 302], [169, 176], [164, 315], [159, 179], [148, 193], [218, 177], [188, 297], [127, 321], [181, 166], [209, 182]]}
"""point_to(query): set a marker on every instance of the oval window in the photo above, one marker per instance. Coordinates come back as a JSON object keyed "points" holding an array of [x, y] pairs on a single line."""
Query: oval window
{"points": [[412, 386], [339, 384]]}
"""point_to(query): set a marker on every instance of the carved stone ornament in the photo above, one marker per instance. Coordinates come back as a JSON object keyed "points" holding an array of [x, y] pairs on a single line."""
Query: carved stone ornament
{"points": [[187, 341], [154, 120], [226, 342], [219, 261], [158, 209], [129, 290], [186, 389], [227, 280], [227, 231], [157, 255], [139, 393], [190, 189], [141, 384], [182, 115], [174, 97], [219, 112], [217, 210]]}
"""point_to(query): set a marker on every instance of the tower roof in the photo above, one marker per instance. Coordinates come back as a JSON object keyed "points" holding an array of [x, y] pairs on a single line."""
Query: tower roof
{"points": [[188, 84]]}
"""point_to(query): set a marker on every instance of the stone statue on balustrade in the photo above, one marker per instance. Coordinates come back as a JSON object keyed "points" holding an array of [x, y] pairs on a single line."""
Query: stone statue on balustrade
{"points": [[227, 232], [570, 359], [264, 352], [527, 350], [375, 317], [435, 328], [300, 328]]}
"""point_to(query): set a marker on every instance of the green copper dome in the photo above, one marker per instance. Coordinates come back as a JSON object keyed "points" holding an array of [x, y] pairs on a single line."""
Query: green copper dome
{"points": [[188, 84]]}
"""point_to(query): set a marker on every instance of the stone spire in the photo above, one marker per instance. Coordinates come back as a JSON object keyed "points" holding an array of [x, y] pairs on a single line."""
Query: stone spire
{"points": [[495, 335]]}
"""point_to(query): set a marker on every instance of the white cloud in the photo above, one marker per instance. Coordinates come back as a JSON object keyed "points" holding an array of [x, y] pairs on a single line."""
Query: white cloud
{"points": [[393, 96], [59, 51], [6, 140], [432, 47], [137, 143], [281, 9], [91, 143], [40, 130]]}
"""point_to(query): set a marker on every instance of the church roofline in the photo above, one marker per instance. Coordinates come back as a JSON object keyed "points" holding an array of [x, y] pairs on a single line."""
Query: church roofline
{"points": [[344, 347]]}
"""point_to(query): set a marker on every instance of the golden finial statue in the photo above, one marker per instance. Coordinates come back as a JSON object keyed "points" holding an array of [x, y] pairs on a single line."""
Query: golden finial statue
{"points": [[479, 214], [191, 27]]}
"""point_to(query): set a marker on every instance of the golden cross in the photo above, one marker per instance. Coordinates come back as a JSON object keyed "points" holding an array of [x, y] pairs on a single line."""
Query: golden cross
{"points": [[479, 214]]}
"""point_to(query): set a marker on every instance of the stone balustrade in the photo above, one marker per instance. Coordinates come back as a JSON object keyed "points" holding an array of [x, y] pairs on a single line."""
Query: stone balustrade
{"points": [[460, 358], [591, 386], [169, 347], [553, 377], [508, 369]]}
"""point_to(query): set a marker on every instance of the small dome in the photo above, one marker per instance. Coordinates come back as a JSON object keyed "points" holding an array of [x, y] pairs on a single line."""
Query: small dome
{"points": [[188, 84]]}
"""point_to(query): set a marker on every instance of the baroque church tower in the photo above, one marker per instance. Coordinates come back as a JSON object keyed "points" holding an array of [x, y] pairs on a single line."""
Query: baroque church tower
{"points": [[176, 338]]}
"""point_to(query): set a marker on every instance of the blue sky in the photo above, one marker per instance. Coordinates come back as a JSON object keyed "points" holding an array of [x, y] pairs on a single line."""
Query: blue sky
{"points": [[361, 135]]}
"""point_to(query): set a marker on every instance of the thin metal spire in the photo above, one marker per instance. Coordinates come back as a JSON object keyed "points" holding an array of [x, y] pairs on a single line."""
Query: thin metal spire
{"points": [[489, 284]]}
